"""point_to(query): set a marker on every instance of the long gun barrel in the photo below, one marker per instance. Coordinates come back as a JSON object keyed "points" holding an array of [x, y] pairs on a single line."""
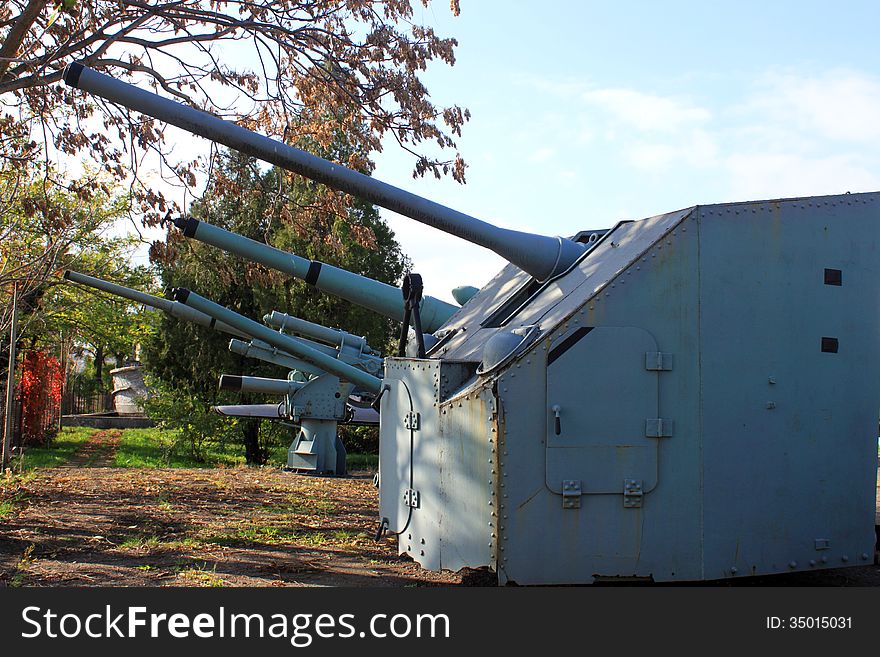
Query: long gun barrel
{"points": [[258, 384], [173, 308], [350, 348], [541, 256], [270, 354], [371, 294], [284, 342]]}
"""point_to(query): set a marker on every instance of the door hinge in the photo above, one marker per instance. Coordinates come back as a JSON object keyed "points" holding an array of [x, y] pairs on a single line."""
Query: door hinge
{"points": [[632, 493], [411, 498], [658, 427], [571, 494], [411, 421], [657, 361]]}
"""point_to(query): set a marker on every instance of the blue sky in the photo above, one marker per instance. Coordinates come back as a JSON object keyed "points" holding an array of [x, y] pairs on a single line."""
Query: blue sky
{"points": [[585, 113]]}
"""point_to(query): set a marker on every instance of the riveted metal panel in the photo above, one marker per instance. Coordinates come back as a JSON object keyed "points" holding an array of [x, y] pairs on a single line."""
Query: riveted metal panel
{"points": [[603, 394], [753, 470], [450, 474], [790, 431], [543, 543], [394, 453], [468, 474]]}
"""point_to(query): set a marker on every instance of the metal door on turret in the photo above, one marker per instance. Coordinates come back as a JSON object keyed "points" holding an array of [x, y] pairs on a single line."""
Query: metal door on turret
{"points": [[603, 423]]}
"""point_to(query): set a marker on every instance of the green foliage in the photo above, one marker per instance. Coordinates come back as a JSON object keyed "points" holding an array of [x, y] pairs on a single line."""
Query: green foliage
{"points": [[189, 425], [360, 438], [46, 228], [155, 448], [362, 462], [264, 206], [68, 440]]}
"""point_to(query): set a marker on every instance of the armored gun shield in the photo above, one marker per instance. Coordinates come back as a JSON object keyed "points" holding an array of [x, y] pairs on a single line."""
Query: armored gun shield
{"points": [[696, 399]]}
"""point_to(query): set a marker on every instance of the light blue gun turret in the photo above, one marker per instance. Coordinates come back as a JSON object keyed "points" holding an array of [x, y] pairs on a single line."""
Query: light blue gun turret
{"points": [[298, 348], [317, 404], [316, 446], [540, 256], [266, 352], [253, 349], [259, 385], [350, 348]]}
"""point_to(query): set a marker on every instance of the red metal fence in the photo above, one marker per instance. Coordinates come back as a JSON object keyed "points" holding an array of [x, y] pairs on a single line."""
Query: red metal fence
{"points": [[44, 424], [46, 421]]}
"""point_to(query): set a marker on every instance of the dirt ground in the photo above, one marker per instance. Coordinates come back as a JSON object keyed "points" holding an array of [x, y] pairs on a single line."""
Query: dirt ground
{"points": [[86, 524]]}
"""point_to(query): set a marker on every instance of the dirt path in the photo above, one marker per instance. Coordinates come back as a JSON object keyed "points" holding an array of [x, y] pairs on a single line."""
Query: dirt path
{"points": [[229, 527], [98, 451], [102, 526]]}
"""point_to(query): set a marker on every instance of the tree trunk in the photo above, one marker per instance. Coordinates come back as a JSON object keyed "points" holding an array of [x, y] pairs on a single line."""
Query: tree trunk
{"points": [[253, 453], [99, 365], [9, 47]]}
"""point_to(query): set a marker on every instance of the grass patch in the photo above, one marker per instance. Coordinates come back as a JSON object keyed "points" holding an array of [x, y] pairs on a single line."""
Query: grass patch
{"points": [[21, 568], [141, 542], [153, 448], [267, 535], [303, 505], [362, 461], [68, 440], [151, 543], [6, 508], [13, 499], [278, 455], [202, 576], [281, 535], [345, 536]]}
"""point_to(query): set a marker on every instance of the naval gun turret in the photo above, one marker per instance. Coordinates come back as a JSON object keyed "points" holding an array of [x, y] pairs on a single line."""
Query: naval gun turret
{"points": [[313, 399], [316, 406], [690, 396]]}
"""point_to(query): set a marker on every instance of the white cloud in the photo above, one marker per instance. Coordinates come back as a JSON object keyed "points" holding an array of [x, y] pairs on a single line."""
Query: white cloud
{"points": [[807, 134], [647, 112], [778, 175], [696, 148], [839, 105]]}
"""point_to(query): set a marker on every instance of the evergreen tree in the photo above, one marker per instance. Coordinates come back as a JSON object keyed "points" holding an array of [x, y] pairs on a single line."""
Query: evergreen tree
{"points": [[264, 205]]}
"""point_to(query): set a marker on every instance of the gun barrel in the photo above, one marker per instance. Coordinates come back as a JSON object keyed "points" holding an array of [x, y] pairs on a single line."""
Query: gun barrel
{"points": [[286, 343], [258, 384], [173, 308], [376, 296], [270, 354], [318, 332], [541, 256]]}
